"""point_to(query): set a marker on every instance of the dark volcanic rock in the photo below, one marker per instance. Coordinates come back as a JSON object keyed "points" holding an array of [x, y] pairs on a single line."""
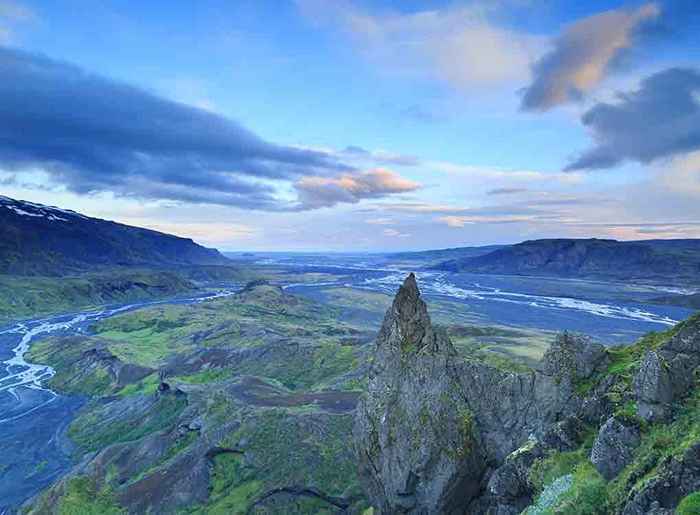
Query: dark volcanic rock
{"points": [[613, 447]]}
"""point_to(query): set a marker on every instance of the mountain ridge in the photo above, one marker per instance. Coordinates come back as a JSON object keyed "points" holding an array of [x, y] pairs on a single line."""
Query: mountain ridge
{"points": [[649, 260], [36, 239]]}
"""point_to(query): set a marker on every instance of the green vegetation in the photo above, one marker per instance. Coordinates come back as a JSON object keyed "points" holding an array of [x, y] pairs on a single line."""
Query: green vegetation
{"points": [[690, 505], [24, 297], [97, 428], [146, 386], [660, 442], [83, 497], [233, 487]]}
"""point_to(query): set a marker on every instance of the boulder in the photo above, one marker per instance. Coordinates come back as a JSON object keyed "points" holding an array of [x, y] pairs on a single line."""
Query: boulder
{"points": [[613, 447]]}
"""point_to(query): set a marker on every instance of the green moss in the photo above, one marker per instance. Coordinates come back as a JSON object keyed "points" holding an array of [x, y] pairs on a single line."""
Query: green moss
{"points": [[91, 432], [558, 464], [146, 386], [587, 495], [83, 497], [659, 442], [690, 505]]}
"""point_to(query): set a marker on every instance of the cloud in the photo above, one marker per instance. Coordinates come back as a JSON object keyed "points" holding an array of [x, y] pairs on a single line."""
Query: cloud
{"points": [[506, 191], [660, 119], [316, 192], [93, 134], [380, 157], [460, 46], [393, 233], [583, 55]]}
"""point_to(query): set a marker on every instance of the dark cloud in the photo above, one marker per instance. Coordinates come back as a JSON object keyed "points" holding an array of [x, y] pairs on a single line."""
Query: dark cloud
{"points": [[94, 134], [661, 119], [583, 54]]}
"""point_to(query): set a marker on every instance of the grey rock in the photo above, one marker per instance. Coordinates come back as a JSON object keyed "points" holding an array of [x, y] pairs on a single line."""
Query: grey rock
{"points": [[429, 421], [653, 387], [613, 447], [573, 356], [667, 374], [677, 478], [413, 433]]}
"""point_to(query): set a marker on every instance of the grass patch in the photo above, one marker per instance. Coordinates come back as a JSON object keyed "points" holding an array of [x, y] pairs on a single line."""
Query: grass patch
{"points": [[93, 430], [83, 497], [690, 505], [146, 386]]}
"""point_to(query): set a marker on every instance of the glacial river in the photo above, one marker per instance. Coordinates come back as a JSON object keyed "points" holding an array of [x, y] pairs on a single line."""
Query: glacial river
{"points": [[33, 447], [34, 450]]}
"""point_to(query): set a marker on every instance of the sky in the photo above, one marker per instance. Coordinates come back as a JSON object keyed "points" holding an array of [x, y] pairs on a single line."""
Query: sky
{"points": [[357, 125]]}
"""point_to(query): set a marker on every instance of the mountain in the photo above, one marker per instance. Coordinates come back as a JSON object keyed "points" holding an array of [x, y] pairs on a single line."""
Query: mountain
{"points": [[440, 255], [590, 431], [44, 240], [651, 260]]}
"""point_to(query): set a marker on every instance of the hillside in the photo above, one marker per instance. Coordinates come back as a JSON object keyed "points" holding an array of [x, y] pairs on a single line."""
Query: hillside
{"points": [[663, 261], [49, 241]]}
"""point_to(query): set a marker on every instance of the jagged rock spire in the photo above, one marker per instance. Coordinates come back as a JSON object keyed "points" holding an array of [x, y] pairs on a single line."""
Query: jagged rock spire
{"points": [[407, 325], [415, 441]]}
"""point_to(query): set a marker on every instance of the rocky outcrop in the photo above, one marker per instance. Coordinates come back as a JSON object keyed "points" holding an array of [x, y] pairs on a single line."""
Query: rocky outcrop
{"points": [[573, 357], [666, 374], [613, 447], [678, 478], [414, 433], [431, 424]]}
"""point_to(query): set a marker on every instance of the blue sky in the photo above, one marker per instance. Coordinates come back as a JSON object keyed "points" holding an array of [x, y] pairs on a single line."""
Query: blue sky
{"points": [[357, 125]]}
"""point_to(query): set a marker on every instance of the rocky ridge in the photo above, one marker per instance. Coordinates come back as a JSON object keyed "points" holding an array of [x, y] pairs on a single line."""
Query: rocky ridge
{"points": [[437, 434]]}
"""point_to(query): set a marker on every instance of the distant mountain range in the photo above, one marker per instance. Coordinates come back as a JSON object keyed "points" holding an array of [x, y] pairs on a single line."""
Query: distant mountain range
{"points": [[675, 261], [44, 240]]}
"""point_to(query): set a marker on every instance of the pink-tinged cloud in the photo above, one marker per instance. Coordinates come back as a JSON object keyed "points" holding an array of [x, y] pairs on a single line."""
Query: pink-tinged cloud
{"points": [[583, 54], [315, 192]]}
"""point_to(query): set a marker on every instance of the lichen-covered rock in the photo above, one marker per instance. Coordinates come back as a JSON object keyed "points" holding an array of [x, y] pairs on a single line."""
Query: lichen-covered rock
{"points": [[653, 387], [573, 357], [613, 447], [414, 434], [667, 374], [661, 494]]}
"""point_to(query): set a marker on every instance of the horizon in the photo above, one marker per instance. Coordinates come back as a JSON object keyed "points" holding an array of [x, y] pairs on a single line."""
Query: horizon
{"points": [[355, 125]]}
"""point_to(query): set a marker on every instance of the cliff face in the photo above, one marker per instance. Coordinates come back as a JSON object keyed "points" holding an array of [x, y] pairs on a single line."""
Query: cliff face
{"points": [[437, 434]]}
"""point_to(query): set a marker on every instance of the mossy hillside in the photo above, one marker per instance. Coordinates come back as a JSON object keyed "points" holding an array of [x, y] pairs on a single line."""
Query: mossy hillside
{"points": [[660, 441], [24, 297], [71, 375], [79, 495], [99, 426], [150, 336], [314, 446]]}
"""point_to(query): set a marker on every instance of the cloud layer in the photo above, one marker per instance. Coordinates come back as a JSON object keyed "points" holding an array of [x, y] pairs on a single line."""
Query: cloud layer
{"points": [[660, 119], [316, 192], [94, 134], [583, 54]]}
